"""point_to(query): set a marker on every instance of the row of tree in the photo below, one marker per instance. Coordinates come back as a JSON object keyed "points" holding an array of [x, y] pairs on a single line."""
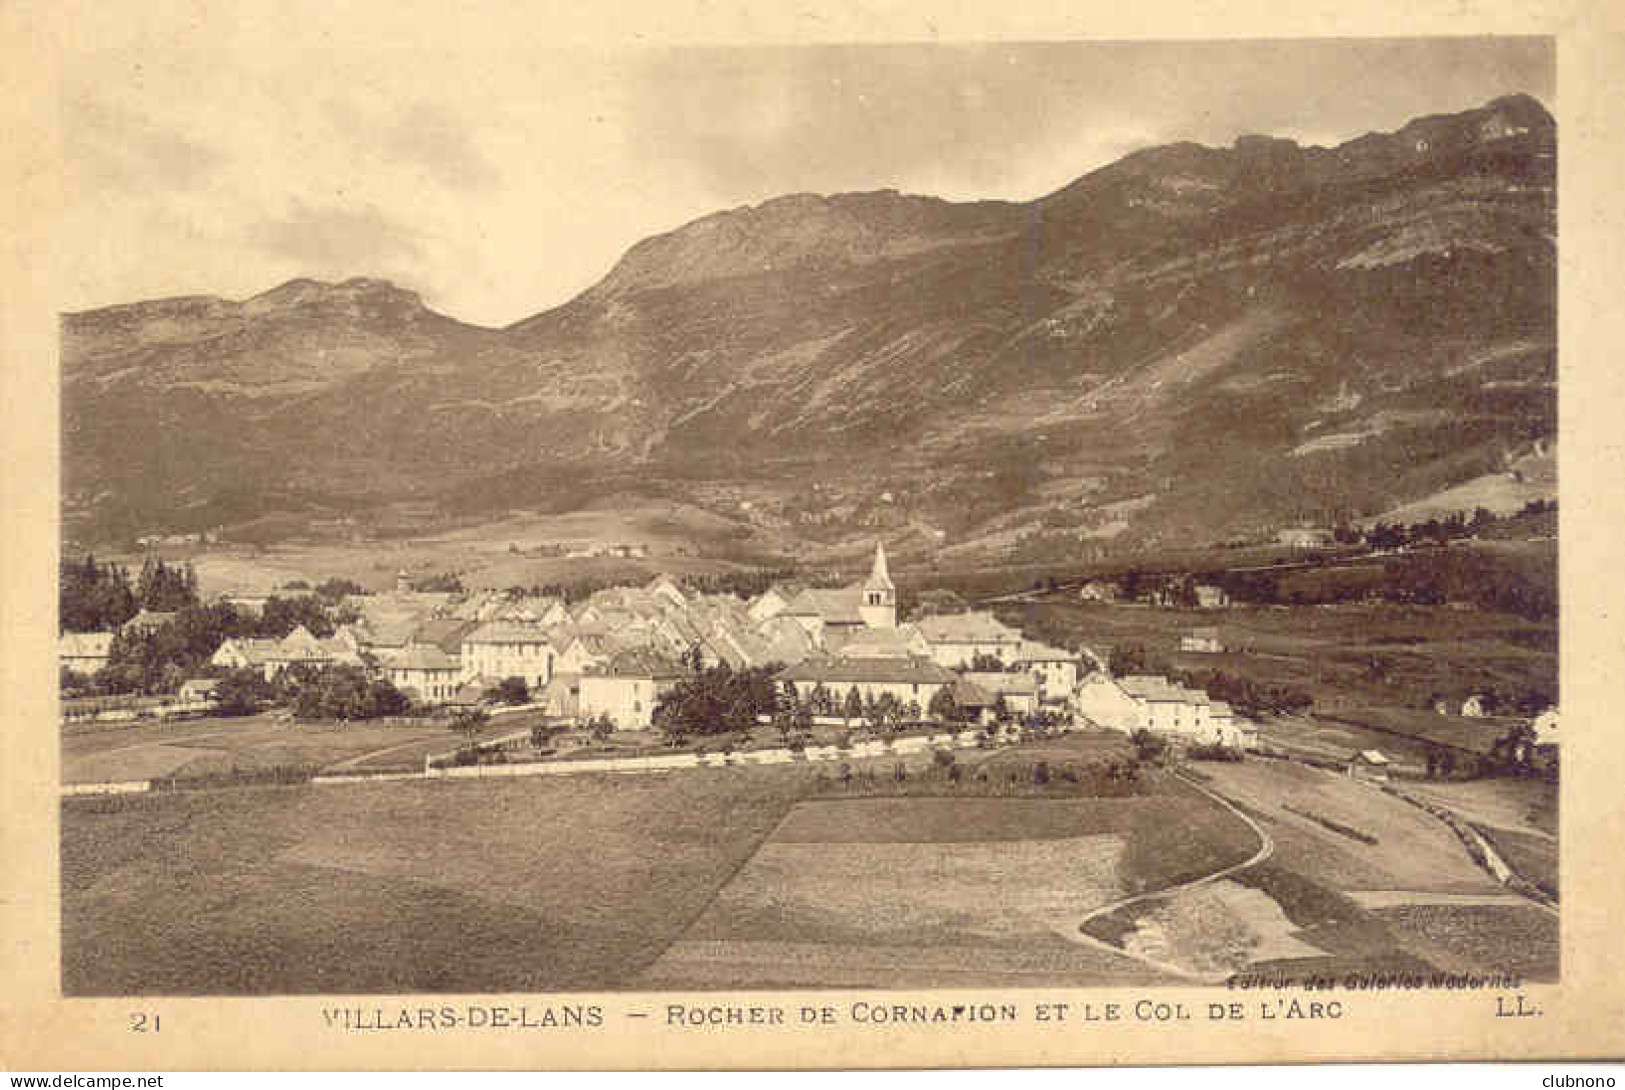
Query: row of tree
{"points": [[157, 660], [334, 691], [718, 700], [99, 597]]}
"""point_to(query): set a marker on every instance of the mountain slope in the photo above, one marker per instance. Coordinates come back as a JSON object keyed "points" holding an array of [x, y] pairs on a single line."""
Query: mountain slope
{"points": [[1190, 342]]}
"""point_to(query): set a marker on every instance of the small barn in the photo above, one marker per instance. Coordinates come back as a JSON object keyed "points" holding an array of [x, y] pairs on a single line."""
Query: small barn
{"points": [[1369, 764]]}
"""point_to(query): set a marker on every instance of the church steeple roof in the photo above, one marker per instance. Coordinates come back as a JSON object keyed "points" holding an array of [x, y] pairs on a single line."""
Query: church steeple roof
{"points": [[879, 578]]}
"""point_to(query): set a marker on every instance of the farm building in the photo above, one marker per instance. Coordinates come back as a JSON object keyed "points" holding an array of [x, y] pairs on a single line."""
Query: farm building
{"points": [[1369, 764], [1301, 537], [1020, 692], [1211, 597], [84, 652], [198, 690], [1097, 590], [1202, 641]]}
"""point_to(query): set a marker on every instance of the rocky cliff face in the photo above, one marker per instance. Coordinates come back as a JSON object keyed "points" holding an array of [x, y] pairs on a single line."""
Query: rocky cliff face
{"points": [[1189, 342]]}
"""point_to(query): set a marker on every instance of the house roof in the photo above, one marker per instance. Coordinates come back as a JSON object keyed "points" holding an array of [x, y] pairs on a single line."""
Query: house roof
{"points": [[1221, 708], [877, 670], [968, 694], [900, 642], [1372, 757], [1032, 651], [979, 627], [84, 644], [149, 619], [424, 657], [641, 663], [788, 643], [836, 605], [506, 632], [444, 633], [1158, 689], [1001, 683]]}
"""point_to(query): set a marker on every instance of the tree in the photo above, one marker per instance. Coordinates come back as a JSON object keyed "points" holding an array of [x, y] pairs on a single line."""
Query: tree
{"points": [[601, 728], [243, 692], [468, 723], [943, 708], [803, 722], [343, 692], [165, 589], [336, 588], [1148, 746], [717, 701], [853, 708], [93, 597], [281, 616], [439, 583], [1128, 659], [987, 664], [511, 690]]}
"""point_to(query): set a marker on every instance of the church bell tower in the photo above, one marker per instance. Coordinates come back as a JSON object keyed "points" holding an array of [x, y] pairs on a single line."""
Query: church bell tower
{"points": [[879, 605]]}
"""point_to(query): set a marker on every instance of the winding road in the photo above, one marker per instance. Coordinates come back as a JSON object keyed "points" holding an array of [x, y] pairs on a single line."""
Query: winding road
{"points": [[1266, 848]]}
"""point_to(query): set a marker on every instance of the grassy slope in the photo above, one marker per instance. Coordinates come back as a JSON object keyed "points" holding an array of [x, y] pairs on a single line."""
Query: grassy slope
{"points": [[1533, 858], [531, 884], [204, 747]]}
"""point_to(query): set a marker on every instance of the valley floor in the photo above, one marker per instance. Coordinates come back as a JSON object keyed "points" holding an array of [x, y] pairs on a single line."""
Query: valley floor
{"points": [[769, 877]]}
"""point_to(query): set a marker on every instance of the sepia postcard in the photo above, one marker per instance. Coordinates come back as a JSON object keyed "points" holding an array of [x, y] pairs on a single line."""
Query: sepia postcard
{"points": [[800, 539]]}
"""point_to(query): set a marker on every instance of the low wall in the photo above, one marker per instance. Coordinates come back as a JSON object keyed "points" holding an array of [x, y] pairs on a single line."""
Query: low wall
{"points": [[126, 787]]}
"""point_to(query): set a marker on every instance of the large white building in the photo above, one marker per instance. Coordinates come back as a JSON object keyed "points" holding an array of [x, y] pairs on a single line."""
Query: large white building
{"points": [[958, 639], [1142, 702], [504, 649], [628, 688]]}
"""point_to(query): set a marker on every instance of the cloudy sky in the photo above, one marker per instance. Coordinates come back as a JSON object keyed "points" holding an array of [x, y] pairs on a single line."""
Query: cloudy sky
{"points": [[499, 184]]}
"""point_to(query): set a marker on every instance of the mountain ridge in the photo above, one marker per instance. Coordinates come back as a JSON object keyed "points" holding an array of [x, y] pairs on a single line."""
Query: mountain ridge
{"points": [[899, 343]]}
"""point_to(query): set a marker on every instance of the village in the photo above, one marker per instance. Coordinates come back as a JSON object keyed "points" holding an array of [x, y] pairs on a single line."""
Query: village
{"points": [[838, 653]]}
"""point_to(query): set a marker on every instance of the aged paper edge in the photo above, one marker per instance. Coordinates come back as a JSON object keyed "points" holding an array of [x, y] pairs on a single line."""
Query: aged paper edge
{"points": [[1581, 1016]]}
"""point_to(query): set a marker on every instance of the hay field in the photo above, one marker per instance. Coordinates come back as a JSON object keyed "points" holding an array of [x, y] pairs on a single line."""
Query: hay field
{"points": [[204, 747], [923, 892], [1414, 851], [532, 884]]}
